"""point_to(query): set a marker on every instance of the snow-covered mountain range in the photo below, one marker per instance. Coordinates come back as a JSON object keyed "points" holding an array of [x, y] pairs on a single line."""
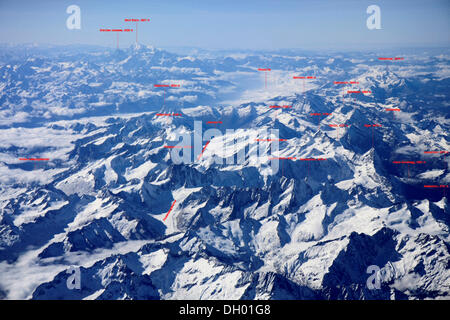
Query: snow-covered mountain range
{"points": [[111, 201]]}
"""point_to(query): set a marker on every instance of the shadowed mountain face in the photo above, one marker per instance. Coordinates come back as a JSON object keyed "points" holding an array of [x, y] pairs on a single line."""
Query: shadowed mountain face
{"points": [[361, 182]]}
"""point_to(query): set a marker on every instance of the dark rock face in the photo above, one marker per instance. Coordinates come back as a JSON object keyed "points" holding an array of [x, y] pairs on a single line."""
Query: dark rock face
{"points": [[339, 216]]}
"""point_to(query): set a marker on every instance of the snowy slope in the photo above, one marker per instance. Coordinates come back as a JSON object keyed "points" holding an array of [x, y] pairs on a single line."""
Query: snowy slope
{"points": [[112, 201]]}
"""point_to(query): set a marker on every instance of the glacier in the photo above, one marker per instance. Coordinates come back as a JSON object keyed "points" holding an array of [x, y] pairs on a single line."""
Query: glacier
{"points": [[309, 231]]}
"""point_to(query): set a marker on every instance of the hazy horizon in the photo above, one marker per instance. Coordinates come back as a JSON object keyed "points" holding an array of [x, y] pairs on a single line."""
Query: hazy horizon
{"points": [[236, 25]]}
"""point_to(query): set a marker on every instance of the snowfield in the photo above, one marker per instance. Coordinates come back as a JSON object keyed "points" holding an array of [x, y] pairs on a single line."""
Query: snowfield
{"points": [[112, 202]]}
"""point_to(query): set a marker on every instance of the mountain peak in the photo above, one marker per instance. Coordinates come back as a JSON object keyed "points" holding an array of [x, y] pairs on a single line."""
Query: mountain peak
{"points": [[141, 47]]}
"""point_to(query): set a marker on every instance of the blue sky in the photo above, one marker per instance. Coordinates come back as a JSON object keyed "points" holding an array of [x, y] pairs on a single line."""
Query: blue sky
{"points": [[262, 24]]}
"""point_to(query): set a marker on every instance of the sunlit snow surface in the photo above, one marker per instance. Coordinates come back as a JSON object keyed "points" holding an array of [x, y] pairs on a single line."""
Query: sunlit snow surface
{"points": [[237, 230]]}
